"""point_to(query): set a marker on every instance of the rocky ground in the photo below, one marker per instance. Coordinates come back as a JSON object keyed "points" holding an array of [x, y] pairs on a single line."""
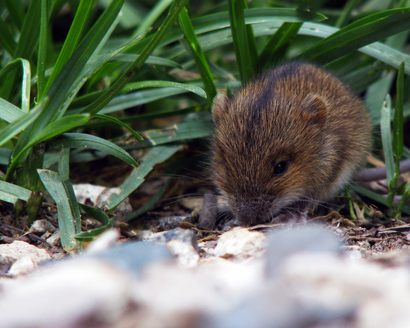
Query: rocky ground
{"points": [[331, 272]]}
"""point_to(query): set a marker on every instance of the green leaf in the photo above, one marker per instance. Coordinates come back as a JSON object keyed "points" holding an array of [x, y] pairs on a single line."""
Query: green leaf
{"points": [[116, 121], [164, 84], [81, 140], [6, 38], [11, 193], [246, 65], [358, 34], [276, 47], [42, 50], [132, 70], [154, 115], [198, 54], [21, 123], [9, 112], [25, 85], [152, 60], [397, 134], [99, 215], [76, 30], [29, 35], [16, 10], [138, 98], [179, 132], [66, 219], [155, 156], [404, 198], [398, 116], [64, 176], [64, 81], [149, 204], [344, 17], [63, 124], [385, 127], [157, 11]]}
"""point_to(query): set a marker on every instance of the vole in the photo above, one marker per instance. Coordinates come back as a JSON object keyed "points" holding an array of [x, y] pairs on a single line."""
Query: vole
{"points": [[286, 141]]}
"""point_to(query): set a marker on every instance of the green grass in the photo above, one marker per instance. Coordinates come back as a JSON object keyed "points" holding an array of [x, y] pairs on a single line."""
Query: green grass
{"points": [[54, 94]]}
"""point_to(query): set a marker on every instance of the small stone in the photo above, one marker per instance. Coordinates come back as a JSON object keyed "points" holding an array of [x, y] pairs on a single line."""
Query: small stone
{"points": [[187, 256], [54, 239], [42, 226], [286, 242], [134, 256], [184, 235], [11, 253], [241, 244]]}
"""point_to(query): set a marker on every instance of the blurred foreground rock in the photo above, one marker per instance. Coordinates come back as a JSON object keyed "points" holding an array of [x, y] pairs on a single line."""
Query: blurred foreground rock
{"points": [[303, 280]]}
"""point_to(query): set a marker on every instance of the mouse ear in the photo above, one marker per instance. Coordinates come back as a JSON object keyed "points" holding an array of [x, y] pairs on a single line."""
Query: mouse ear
{"points": [[219, 106], [315, 107]]}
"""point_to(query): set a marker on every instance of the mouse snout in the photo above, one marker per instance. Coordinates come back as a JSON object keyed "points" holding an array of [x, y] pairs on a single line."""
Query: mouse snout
{"points": [[252, 211]]}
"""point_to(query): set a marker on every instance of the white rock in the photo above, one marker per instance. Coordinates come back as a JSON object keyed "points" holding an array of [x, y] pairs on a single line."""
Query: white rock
{"points": [[187, 256], [241, 243], [11, 253], [42, 226], [100, 196], [67, 295], [54, 239]]}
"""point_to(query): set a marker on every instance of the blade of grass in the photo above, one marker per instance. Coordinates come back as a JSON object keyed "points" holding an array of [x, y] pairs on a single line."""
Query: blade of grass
{"points": [[29, 35], [246, 65], [117, 121], [9, 112], [197, 53], [66, 219], [345, 16], [20, 124], [155, 156], [157, 11], [398, 115], [137, 98], [42, 50], [6, 38], [81, 140], [99, 215], [179, 132], [150, 204], [397, 134], [385, 127], [403, 200], [74, 34], [145, 117], [58, 127], [164, 84], [11, 192], [358, 34], [64, 175], [16, 10], [64, 81], [153, 60], [375, 196], [275, 49], [173, 13]]}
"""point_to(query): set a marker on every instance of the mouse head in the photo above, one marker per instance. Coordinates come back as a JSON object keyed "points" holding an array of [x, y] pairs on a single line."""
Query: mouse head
{"points": [[266, 149]]}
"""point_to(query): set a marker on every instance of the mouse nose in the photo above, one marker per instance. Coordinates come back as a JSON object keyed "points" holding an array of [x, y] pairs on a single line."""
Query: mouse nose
{"points": [[248, 213]]}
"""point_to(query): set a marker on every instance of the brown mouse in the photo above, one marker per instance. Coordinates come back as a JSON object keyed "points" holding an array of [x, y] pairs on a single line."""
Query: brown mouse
{"points": [[286, 141]]}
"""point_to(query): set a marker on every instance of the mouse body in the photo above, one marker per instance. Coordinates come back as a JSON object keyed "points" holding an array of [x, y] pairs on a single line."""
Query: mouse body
{"points": [[287, 140]]}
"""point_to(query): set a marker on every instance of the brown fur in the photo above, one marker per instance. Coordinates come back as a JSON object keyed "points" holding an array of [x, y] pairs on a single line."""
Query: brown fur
{"points": [[298, 113]]}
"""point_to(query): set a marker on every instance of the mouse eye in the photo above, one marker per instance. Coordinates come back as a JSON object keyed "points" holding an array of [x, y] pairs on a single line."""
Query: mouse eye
{"points": [[280, 168]]}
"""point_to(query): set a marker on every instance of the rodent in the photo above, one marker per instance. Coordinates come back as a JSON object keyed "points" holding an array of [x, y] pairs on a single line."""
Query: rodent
{"points": [[287, 140]]}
